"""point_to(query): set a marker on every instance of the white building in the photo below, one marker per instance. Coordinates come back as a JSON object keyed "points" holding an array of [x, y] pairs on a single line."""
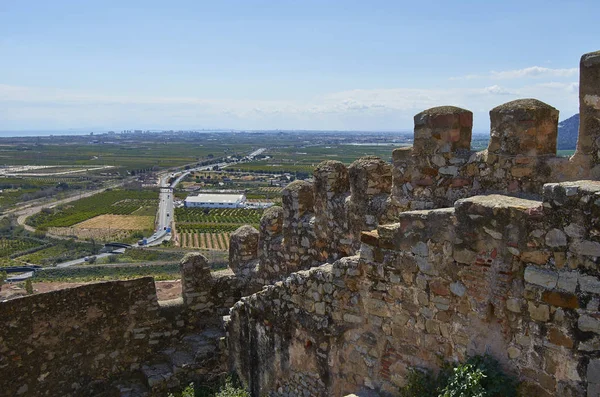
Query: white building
{"points": [[216, 201]]}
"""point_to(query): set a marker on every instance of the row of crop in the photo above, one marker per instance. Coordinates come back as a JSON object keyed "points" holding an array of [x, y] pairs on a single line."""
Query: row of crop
{"points": [[197, 215], [118, 202], [207, 227], [10, 246], [211, 241]]}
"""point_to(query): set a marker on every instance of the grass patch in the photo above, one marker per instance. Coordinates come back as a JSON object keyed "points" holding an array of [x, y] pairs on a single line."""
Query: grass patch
{"points": [[107, 273]]}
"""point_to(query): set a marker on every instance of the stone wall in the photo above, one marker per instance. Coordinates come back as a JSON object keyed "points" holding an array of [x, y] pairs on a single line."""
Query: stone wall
{"points": [[513, 277], [59, 342], [95, 338]]}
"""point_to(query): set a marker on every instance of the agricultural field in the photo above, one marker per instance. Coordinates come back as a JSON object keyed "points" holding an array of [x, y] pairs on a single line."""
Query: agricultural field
{"points": [[14, 190], [143, 256], [210, 229], [116, 202], [300, 160], [60, 251], [193, 238], [107, 227], [106, 273], [13, 246], [217, 215]]}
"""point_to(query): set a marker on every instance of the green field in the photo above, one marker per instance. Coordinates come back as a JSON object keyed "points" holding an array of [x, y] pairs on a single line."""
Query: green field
{"points": [[105, 273], [143, 255], [301, 160], [116, 202], [60, 251], [218, 215], [15, 190], [125, 152], [210, 229], [13, 246]]}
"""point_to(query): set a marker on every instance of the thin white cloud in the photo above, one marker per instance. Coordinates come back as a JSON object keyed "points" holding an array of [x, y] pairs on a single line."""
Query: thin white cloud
{"points": [[372, 109], [530, 72], [497, 90]]}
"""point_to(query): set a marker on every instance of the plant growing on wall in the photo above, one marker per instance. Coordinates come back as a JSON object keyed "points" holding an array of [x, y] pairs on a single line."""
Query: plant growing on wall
{"points": [[479, 376]]}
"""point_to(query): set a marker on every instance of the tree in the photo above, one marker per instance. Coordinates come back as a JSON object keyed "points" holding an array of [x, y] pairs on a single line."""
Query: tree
{"points": [[94, 247], [28, 286], [2, 278]]}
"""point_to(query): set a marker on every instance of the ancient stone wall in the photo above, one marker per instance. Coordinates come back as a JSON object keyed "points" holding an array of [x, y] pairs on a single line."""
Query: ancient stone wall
{"points": [[90, 339], [513, 277], [59, 342]]}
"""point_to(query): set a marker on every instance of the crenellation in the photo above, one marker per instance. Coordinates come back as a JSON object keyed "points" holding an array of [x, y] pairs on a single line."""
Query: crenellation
{"points": [[332, 189], [441, 131], [525, 127], [370, 186], [243, 250], [270, 245], [587, 154], [299, 250]]}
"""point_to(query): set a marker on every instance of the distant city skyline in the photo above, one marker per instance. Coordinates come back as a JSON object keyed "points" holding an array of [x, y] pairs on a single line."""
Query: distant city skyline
{"points": [[265, 65]]}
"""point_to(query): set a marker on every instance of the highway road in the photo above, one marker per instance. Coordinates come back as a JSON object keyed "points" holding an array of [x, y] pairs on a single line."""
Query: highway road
{"points": [[166, 204], [166, 207]]}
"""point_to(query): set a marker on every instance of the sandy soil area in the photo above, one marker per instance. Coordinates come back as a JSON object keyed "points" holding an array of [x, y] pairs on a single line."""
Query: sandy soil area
{"points": [[127, 222]]}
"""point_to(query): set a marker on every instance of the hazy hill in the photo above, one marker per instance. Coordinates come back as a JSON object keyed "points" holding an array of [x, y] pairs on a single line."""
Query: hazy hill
{"points": [[567, 133]]}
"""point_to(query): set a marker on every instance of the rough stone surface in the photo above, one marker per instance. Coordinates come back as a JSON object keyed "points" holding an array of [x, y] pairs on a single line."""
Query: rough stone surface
{"points": [[479, 277], [57, 343]]}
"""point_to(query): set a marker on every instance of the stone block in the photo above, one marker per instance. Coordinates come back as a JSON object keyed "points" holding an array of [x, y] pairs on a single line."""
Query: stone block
{"points": [[524, 126], [539, 312], [561, 299], [541, 277]]}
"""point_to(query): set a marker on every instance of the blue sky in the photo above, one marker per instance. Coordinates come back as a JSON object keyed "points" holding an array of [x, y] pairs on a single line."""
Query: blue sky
{"points": [[355, 65]]}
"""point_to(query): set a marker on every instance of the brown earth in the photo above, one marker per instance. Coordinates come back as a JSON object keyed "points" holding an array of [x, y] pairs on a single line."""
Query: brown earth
{"points": [[126, 222]]}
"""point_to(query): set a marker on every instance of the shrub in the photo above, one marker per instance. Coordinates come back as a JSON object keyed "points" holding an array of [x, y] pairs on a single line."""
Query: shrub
{"points": [[231, 390], [228, 388], [479, 376], [28, 286]]}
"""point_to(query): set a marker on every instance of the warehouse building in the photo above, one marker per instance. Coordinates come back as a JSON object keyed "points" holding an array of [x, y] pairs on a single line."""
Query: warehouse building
{"points": [[216, 201]]}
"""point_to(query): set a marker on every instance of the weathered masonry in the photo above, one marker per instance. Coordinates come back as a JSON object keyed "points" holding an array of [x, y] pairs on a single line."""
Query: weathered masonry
{"points": [[369, 270]]}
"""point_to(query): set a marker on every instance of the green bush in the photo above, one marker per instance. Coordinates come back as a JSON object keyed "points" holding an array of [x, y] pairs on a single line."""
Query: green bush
{"points": [[231, 390], [479, 376], [228, 388]]}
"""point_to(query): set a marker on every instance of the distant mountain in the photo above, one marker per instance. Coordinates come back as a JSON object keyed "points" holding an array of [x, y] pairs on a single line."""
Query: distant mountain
{"points": [[567, 133]]}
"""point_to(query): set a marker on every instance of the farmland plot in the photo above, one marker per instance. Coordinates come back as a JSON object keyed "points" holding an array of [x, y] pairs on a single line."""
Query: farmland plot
{"points": [[106, 227], [116, 202]]}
